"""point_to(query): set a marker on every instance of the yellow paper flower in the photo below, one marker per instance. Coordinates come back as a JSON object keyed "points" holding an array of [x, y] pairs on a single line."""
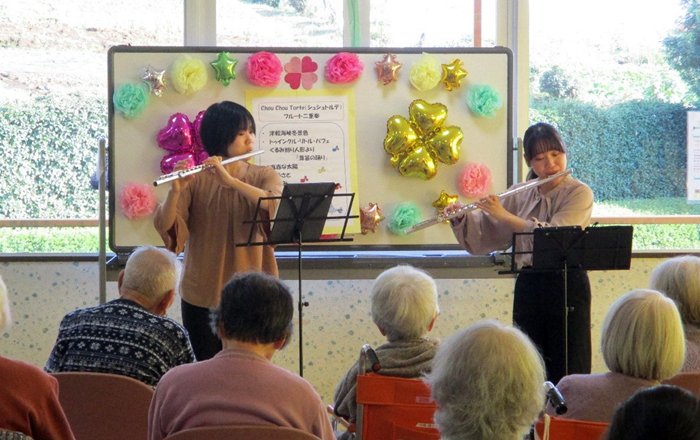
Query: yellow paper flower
{"points": [[425, 73], [188, 74]]}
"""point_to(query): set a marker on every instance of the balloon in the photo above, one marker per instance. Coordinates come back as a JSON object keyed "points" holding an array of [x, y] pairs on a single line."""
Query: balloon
{"points": [[167, 164], [176, 136], [445, 144], [427, 117], [154, 79], [452, 74], [197, 144], [418, 163], [444, 201], [225, 68], [400, 135], [388, 69], [370, 216]]}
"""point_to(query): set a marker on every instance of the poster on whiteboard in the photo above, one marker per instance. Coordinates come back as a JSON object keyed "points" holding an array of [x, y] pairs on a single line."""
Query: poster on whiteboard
{"points": [[693, 179]]}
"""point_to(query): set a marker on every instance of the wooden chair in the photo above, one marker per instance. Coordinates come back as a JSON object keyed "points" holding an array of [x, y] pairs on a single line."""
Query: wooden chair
{"points": [[242, 432], [102, 406], [558, 428], [688, 381]]}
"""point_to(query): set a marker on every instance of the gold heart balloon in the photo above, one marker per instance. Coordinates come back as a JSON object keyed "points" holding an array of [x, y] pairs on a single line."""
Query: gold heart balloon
{"points": [[416, 145], [400, 135], [427, 117], [445, 144], [418, 163]]}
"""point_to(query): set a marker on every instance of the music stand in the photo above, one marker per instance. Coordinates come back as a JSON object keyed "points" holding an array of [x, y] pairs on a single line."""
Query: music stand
{"points": [[301, 217], [561, 248]]}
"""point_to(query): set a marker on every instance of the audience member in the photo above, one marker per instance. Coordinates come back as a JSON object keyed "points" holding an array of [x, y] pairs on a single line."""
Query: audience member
{"points": [[642, 343], [679, 279], [404, 307], [131, 335], [659, 412], [487, 381], [28, 396], [240, 385]]}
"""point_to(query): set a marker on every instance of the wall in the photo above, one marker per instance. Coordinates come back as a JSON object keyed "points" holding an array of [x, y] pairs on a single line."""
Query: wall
{"points": [[335, 324]]}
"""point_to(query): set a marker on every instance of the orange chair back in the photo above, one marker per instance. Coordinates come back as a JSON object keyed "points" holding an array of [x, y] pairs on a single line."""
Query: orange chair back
{"points": [[104, 406], [393, 408], [688, 381], [570, 429]]}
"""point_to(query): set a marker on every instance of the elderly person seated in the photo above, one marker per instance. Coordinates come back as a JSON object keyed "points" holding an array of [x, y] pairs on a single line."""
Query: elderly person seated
{"points": [[404, 308], [642, 343], [28, 396], [679, 279], [487, 381], [240, 385], [659, 412]]}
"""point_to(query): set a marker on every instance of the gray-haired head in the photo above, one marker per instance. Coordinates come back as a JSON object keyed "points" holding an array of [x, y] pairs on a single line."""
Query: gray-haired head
{"points": [[487, 381], [151, 272], [404, 302]]}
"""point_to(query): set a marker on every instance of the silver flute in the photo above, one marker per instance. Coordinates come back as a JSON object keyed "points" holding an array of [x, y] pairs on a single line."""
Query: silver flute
{"points": [[194, 170], [441, 218]]}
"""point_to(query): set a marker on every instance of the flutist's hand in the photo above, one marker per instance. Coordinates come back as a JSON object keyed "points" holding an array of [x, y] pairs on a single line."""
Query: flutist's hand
{"points": [[450, 211], [491, 204], [181, 183], [217, 167]]}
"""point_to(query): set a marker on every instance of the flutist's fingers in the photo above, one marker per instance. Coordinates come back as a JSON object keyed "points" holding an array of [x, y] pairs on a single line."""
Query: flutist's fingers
{"points": [[451, 209], [185, 164]]}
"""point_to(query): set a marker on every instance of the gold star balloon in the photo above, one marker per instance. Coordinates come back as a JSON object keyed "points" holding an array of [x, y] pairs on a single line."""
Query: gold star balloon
{"points": [[370, 217], [452, 74], [388, 69], [225, 68], [154, 79], [444, 201]]}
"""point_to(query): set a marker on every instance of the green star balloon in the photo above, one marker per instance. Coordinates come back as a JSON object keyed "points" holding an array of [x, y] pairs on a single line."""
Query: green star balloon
{"points": [[225, 68]]}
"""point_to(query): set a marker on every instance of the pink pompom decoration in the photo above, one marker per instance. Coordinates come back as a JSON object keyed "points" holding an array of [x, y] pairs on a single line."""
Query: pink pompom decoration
{"points": [[343, 68], [474, 180], [137, 200], [264, 69]]}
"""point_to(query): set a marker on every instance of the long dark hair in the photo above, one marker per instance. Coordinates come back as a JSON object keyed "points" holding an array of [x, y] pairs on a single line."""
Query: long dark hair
{"points": [[540, 138], [221, 124]]}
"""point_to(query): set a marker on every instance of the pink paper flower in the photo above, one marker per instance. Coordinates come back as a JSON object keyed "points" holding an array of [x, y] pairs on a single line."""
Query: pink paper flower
{"points": [[301, 72], [137, 200], [264, 69], [474, 180], [343, 68]]}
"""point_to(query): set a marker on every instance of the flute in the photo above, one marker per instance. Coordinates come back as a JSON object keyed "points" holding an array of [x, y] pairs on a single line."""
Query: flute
{"points": [[440, 218], [194, 170]]}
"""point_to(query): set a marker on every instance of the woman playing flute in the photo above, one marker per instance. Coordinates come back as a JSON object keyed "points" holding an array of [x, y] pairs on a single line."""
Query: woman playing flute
{"points": [[538, 304], [204, 214]]}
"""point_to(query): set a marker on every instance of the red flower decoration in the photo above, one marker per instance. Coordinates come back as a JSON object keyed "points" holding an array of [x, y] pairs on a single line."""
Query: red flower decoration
{"points": [[301, 72]]}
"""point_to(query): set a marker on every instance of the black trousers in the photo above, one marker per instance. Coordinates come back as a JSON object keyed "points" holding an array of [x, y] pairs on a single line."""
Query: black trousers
{"points": [[196, 320], [538, 310]]}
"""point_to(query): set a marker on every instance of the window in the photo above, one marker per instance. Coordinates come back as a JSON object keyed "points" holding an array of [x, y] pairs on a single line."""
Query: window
{"points": [[598, 71]]}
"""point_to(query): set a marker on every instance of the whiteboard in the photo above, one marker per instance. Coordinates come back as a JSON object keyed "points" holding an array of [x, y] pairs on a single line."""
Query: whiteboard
{"points": [[360, 130]]}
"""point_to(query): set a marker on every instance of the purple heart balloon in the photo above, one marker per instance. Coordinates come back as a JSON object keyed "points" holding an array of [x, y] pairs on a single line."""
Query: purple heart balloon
{"points": [[199, 156], [176, 136], [167, 164]]}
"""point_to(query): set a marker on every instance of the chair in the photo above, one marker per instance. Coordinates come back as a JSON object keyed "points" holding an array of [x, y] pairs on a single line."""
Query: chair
{"points": [[392, 408], [101, 406], [242, 432], [558, 428], [688, 381]]}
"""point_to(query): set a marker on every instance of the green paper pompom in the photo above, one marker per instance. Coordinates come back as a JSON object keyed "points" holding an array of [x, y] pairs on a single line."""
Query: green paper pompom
{"points": [[131, 99], [404, 216], [483, 100]]}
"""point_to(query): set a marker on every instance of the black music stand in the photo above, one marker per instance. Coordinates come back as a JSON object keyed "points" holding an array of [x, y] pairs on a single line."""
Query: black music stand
{"points": [[301, 217], [561, 248]]}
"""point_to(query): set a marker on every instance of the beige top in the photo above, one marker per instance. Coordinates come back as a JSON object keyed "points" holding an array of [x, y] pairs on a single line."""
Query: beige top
{"points": [[569, 204], [209, 224]]}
